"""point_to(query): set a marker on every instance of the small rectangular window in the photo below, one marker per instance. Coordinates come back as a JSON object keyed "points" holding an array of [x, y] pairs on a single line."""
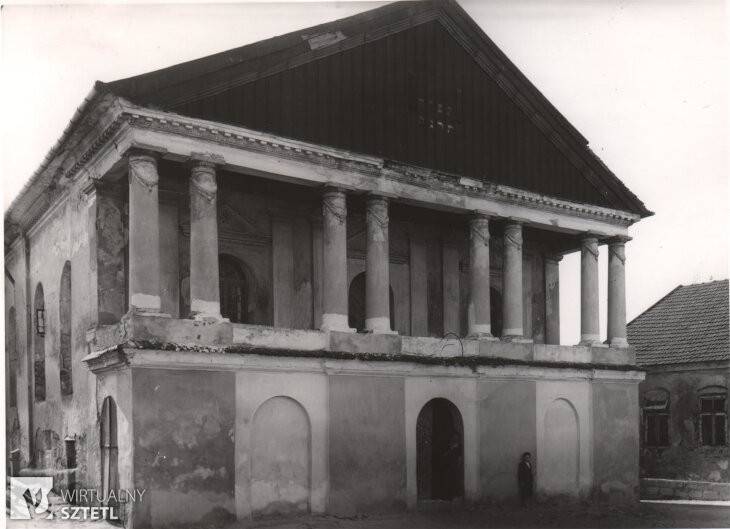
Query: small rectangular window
{"points": [[713, 420], [656, 428]]}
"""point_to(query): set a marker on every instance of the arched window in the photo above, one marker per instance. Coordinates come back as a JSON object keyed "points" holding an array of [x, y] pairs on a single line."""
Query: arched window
{"points": [[64, 311], [39, 344], [11, 347], [356, 304], [234, 289]]}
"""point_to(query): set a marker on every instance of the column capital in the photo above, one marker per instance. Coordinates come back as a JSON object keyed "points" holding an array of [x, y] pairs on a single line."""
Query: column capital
{"points": [[142, 154], [513, 234], [479, 215], [377, 198], [479, 229], [332, 189], [589, 244], [334, 204], [202, 166], [143, 168], [553, 257], [204, 158], [619, 240]]}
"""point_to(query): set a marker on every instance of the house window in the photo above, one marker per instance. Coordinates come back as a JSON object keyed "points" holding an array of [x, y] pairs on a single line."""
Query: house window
{"points": [[713, 420], [656, 418]]}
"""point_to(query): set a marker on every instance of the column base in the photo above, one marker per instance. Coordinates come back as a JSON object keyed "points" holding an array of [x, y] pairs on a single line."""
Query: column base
{"points": [[379, 326], [619, 343], [209, 318], [514, 338], [482, 336], [591, 340], [336, 323], [147, 312]]}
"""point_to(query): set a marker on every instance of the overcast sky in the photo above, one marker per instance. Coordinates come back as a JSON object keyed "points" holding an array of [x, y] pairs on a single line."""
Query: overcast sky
{"points": [[645, 81]]}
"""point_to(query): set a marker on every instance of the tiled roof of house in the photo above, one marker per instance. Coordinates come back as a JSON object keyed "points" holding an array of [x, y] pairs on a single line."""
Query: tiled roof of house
{"points": [[690, 324]]}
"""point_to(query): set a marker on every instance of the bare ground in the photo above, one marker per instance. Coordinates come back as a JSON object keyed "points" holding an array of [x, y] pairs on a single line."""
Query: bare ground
{"points": [[535, 515]]}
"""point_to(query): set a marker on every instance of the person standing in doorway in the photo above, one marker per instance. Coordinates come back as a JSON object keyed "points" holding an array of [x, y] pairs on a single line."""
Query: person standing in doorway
{"points": [[525, 477]]}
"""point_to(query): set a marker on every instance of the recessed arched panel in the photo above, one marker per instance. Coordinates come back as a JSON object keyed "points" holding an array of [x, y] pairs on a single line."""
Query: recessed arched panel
{"points": [[560, 468], [280, 459], [64, 312], [39, 344], [11, 350], [440, 451]]}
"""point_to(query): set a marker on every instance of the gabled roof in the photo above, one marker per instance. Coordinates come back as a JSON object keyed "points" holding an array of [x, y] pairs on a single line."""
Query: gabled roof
{"points": [[173, 87], [690, 324]]}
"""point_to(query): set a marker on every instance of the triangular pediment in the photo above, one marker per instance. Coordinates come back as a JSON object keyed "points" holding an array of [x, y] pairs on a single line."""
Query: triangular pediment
{"points": [[414, 82]]}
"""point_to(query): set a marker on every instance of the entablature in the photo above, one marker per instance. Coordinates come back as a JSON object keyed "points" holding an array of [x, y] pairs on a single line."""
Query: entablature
{"points": [[245, 151]]}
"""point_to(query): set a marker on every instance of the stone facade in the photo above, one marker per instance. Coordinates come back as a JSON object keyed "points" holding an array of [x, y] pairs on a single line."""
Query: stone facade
{"points": [[218, 276]]}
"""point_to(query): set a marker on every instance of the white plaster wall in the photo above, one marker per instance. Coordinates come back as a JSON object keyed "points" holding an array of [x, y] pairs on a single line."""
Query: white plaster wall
{"points": [[311, 391], [579, 395], [462, 392]]}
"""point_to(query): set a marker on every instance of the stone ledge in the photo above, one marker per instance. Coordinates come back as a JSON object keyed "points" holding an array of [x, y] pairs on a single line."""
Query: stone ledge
{"points": [[675, 489], [150, 332]]}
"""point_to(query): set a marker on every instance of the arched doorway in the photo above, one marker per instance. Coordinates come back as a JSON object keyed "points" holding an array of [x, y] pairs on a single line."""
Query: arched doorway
{"points": [[440, 451], [280, 459], [234, 289], [109, 449], [561, 455], [356, 304]]}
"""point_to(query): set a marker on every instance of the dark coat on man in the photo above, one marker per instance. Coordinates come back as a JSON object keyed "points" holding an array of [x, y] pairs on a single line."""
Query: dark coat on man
{"points": [[525, 479]]}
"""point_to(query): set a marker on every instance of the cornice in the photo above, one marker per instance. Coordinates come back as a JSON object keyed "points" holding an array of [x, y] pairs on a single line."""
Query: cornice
{"points": [[247, 139]]}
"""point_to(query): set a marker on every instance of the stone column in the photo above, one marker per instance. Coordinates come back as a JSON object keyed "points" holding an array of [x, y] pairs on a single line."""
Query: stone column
{"points": [[479, 296], [334, 235], [377, 276], [204, 283], [512, 282], [589, 320], [552, 299], [144, 234], [617, 293]]}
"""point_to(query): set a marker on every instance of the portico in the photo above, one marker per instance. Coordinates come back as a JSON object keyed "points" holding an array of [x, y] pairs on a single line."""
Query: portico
{"points": [[338, 176]]}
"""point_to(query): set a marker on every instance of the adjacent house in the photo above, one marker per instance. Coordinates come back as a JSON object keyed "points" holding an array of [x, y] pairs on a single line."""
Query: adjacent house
{"points": [[319, 273], [683, 343]]}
